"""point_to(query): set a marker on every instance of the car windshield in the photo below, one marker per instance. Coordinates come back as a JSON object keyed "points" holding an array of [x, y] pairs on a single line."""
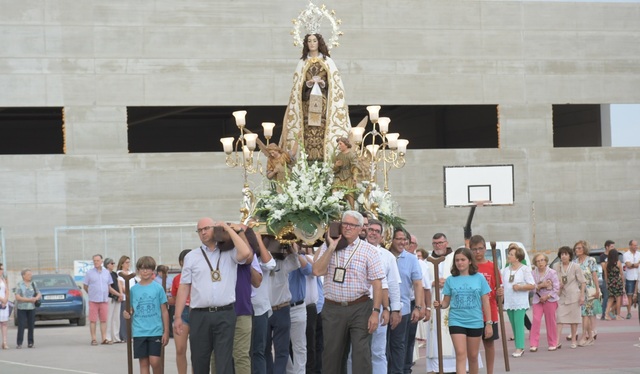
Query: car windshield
{"points": [[54, 281]]}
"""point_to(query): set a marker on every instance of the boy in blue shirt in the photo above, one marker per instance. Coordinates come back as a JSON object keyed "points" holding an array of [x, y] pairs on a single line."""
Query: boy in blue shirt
{"points": [[150, 316]]}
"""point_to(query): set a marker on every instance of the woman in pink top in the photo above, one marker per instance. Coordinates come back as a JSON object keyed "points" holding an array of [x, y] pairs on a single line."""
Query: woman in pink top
{"points": [[545, 303]]}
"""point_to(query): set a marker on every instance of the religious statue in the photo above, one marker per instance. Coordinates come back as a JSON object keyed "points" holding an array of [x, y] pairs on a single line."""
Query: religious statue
{"points": [[317, 113], [346, 170], [278, 162]]}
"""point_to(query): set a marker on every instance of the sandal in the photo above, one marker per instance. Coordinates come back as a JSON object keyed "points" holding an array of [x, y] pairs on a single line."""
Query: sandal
{"points": [[106, 342], [533, 349], [574, 346], [594, 334], [93, 342]]}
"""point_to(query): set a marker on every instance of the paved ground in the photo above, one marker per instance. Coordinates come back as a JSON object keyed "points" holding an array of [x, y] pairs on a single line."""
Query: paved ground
{"points": [[61, 348]]}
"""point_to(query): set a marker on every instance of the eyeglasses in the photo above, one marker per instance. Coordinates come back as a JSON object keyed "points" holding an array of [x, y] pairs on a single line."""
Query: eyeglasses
{"points": [[206, 228], [350, 225], [413, 243], [377, 231], [438, 243]]}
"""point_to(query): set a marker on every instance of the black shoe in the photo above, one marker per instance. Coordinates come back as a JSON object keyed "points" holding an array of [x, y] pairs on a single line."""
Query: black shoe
{"points": [[30, 345]]}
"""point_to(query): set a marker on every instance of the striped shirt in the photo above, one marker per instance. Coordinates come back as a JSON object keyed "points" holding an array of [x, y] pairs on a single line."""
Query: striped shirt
{"points": [[365, 266]]}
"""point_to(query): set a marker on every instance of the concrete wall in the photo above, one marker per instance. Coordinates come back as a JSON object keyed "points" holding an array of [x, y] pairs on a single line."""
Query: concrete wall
{"points": [[95, 58]]}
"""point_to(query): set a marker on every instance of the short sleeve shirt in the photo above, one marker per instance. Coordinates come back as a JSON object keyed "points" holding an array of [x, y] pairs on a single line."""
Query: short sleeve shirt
{"points": [[147, 302], [466, 300]]}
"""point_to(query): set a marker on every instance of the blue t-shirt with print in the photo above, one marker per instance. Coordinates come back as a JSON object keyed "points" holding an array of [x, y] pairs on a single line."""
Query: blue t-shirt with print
{"points": [[466, 300], [147, 301]]}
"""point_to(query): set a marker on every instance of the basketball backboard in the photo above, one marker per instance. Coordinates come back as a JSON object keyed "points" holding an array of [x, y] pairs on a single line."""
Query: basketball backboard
{"points": [[470, 185]]}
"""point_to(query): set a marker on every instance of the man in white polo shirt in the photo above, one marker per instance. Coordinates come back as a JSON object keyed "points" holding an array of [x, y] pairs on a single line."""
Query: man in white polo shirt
{"points": [[209, 275], [632, 262]]}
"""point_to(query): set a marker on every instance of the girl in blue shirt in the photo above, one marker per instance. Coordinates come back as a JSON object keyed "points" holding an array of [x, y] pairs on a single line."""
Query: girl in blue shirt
{"points": [[467, 292]]}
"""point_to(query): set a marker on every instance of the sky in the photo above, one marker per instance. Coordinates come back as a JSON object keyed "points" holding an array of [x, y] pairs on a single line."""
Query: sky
{"points": [[625, 125]]}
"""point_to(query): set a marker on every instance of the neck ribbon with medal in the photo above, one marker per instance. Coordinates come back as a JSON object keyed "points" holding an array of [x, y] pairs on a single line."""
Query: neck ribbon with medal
{"points": [[565, 273], [215, 274], [340, 272]]}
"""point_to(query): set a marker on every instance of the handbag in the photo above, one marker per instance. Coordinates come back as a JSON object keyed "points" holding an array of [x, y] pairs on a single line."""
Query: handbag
{"points": [[35, 290], [625, 300], [591, 293]]}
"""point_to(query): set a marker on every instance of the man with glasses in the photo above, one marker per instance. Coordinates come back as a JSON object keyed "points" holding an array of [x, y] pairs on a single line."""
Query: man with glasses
{"points": [[485, 267], [411, 279], [209, 276], [390, 300], [349, 315]]}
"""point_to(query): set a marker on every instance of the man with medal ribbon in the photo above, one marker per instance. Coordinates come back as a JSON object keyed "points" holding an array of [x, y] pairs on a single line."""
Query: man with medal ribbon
{"points": [[349, 316], [209, 276]]}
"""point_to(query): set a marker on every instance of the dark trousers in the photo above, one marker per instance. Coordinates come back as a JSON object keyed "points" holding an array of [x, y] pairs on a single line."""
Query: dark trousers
{"points": [[605, 298], [211, 332], [319, 344], [346, 327], [123, 323], [397, 345], [412, 329], [259, 344], [278, 334], [26, 318], [312, 317]]}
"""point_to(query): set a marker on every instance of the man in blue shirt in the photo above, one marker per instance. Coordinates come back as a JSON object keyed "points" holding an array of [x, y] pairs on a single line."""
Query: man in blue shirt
{"points": [[411, 276], [298, 287]]}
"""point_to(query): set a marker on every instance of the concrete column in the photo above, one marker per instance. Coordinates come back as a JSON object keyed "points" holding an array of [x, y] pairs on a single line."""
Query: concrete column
{"points": [[525, 125], [605, 124], [95, 130]]}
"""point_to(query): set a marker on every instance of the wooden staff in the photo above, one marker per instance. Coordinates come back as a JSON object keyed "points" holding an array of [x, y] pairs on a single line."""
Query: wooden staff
{"points": [[127, 307], [164, 287], [496, 274], [436, 284]]}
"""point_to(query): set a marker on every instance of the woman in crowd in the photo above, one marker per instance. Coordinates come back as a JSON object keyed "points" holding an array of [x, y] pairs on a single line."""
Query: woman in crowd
{"points": [[545, 303], [422, 254], [4, 306], [517, 282], [182, 339], [614, 281], [26, 297], [467, 292], [591, 305], [113, 315], [572, 286], [124, 264]]}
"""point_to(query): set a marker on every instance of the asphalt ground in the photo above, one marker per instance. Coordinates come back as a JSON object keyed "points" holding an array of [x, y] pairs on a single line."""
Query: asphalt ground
{"points": [[62, 348]]}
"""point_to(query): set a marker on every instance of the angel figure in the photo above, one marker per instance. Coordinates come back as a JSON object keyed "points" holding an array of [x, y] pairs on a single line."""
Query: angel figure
{"points": [[346, 170], [278, 161]]}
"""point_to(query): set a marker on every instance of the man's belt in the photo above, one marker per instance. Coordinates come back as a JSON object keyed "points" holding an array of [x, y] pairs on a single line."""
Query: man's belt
{"points": [[215, 308], [280, 306], [359, 300], [296, 303]]}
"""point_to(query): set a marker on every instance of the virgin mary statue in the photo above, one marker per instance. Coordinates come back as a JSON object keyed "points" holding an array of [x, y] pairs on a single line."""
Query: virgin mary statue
{"points": [[317, 114]]}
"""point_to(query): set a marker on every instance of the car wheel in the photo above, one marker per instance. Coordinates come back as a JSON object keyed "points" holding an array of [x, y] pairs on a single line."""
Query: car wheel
{"points": [[82, 321]]}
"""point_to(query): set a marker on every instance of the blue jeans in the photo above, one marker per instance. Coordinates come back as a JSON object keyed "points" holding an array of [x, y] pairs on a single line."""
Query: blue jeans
{"points": [[397, 345], [278, 331], [26, 318], [605, 298], [259, 344]]}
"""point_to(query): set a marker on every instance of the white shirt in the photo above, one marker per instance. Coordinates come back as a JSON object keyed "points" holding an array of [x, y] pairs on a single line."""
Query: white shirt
{"points": [[514, 300], [634, 258], [277, 280], [260, 295], [391, 281], [311, 294]]}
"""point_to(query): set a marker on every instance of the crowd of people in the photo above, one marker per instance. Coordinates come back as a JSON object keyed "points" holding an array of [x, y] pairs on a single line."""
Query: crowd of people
{"points": [[248, 304]]}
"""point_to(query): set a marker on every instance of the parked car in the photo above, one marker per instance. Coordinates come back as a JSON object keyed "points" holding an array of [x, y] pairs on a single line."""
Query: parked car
{"points": [[62, 298]]}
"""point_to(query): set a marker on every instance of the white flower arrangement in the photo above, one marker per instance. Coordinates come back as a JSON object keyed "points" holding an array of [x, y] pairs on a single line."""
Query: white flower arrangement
{"points": [[379, 203], [306, 199]]}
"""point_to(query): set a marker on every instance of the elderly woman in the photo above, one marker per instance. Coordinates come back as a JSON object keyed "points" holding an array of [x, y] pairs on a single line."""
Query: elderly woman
{"points": [[517, 282], [26, 296], [572, 285], [545, 303], [591, 305]]}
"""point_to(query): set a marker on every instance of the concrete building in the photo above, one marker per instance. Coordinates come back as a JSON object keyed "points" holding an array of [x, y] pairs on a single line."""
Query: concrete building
{"points": [[94, 59]]}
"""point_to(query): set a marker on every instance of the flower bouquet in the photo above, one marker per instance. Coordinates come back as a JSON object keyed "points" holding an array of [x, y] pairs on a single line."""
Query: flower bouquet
{"points": [[305, 204]]}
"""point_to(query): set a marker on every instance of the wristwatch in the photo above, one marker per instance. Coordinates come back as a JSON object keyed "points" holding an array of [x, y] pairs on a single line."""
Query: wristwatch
{"points": [[418, 307], [488, 323], [376, 310]]}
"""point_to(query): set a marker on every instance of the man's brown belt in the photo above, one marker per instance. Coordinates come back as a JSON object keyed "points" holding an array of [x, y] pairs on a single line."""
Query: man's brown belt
{"points": [[359, 300]]}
